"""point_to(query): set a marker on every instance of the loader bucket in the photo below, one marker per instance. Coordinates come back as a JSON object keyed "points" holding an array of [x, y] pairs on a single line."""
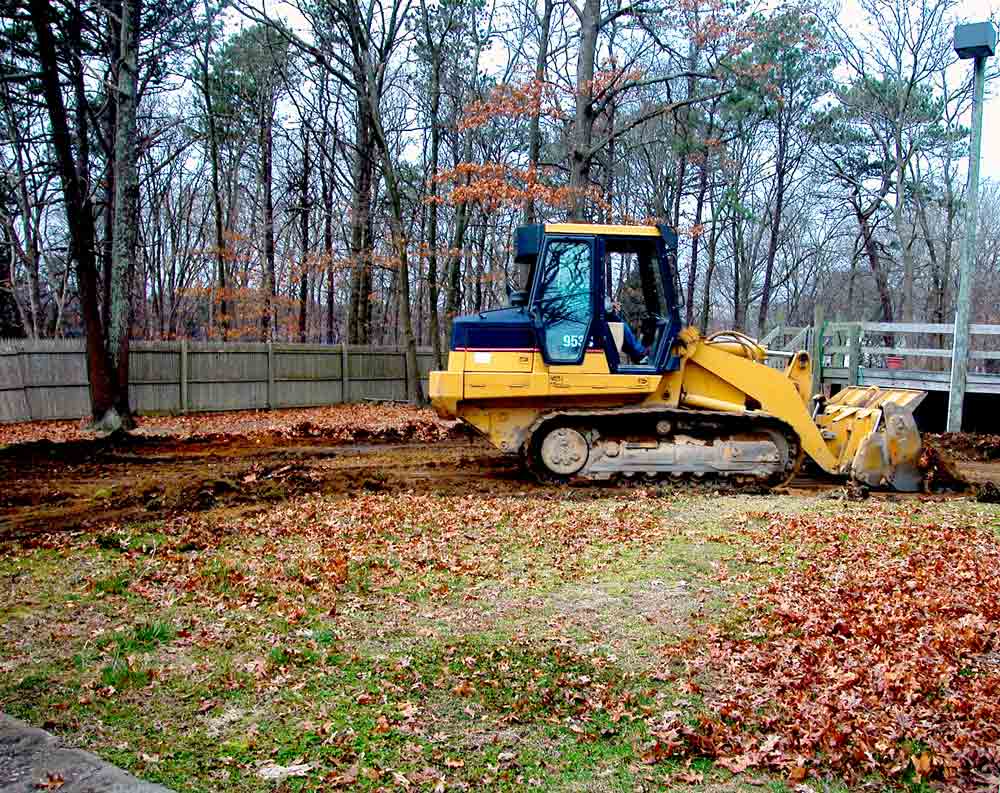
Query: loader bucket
{"points": [[882, 444]]}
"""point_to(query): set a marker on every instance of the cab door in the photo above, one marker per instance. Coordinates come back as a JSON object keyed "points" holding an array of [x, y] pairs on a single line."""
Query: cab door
{"points": [[562, 301]]}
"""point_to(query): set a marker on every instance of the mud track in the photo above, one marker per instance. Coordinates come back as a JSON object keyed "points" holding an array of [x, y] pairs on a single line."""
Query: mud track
{"points": [[50, 487], [59, 486]]}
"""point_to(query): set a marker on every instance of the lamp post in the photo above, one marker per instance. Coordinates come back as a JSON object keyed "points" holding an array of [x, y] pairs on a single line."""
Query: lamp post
{"points": [[977, 41]]}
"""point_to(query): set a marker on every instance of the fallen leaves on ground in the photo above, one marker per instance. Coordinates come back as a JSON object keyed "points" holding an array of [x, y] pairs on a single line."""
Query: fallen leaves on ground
{"points": [[309, 549], [352, 423], [878, 652]]}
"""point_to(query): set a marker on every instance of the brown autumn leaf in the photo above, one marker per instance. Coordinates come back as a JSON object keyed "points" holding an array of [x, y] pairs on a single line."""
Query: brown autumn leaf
{"points": [[52, 781], [344, 778], [797, 774]]}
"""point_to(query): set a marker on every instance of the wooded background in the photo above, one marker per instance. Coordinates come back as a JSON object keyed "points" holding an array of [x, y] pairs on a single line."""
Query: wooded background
{"points": [[352, 170]]}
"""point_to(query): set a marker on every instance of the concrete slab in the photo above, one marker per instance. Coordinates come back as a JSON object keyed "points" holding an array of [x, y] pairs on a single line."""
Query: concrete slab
{"points": [[32, 760]]}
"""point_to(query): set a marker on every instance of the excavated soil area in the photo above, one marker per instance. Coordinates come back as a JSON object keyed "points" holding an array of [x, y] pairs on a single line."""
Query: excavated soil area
{"points": [[58, 477], [58, 486], [968, 447]]}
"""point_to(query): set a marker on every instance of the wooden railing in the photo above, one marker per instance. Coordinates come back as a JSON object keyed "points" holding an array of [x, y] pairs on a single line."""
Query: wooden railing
{"points": [[900, 354]]}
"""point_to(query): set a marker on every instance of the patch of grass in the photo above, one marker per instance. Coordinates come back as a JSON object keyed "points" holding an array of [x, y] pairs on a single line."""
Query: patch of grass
{"points": [[325, 636], [120, 673], [145, 636], [221, 576], [114, 584]]}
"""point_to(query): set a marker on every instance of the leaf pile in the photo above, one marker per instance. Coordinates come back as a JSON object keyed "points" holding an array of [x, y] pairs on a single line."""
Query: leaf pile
{"points": [[337, 424], [877, 653]]}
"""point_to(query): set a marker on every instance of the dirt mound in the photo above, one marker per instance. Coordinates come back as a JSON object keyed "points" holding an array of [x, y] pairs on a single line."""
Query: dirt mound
{"points": [[940, 469], [967, 446]]}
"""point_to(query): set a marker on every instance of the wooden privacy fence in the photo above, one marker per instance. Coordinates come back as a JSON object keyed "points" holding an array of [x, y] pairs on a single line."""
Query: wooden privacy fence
{"points": [[47, 379]]}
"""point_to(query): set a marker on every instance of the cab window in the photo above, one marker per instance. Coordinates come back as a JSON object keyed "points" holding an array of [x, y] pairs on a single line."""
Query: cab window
{"points": [[564, 299]]}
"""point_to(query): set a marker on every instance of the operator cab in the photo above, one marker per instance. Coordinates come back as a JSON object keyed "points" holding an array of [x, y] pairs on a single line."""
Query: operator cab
{"points": [[586, 282]]}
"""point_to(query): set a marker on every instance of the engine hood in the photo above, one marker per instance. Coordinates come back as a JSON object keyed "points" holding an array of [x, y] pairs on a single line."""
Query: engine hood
{"points": [[499, 329]]}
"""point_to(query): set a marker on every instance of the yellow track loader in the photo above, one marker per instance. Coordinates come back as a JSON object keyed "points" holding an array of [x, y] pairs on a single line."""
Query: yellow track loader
{"points": [[560, 378]]}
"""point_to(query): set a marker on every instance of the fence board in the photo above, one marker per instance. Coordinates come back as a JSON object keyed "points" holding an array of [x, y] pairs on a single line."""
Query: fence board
{"points": [[926, 327], [47, 379]]}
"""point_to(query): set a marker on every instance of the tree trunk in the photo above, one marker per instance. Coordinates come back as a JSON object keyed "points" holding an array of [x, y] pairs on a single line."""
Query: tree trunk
{"points": [[432, 212], [11, 326], [453, 300], [580, 156], [78, 207], [875, 262], [398, 225], [772, 243], [534, 128], [126, 217], [706, 304], [304, 276], [359, 323], [904, 246], [213, 152], [327, 197], [696, 238], [266, 176]]}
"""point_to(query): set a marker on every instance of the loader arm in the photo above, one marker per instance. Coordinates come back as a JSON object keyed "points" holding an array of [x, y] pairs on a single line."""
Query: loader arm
{"points": [[775, 392]]}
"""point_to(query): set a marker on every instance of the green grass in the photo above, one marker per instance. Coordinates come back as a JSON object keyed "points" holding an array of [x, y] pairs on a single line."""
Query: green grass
{"points": [[115, 584]]}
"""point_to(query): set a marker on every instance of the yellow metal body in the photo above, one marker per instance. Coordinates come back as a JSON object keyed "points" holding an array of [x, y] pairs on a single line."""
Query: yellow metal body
{"points": [[503, 393]]}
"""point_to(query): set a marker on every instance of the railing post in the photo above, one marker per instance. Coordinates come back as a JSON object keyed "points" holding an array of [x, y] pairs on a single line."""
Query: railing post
{"points": [[854, 353], [184, 376], [345, 374], [270, 376], [775, 333], [816, 350]]}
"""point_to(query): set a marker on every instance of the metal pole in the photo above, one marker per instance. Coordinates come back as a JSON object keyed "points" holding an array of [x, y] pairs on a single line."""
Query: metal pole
{"points": [[960, 348]]}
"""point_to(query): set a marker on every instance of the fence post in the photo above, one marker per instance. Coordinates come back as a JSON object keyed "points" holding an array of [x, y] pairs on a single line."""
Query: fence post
{"points": [[816, 350], [19, 361], [184, 376], [406, 374], [270, 376], [345, 374], [854, 351]]}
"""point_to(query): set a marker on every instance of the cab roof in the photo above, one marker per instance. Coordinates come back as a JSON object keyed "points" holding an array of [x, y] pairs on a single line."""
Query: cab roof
{"points": [[604, 230]]}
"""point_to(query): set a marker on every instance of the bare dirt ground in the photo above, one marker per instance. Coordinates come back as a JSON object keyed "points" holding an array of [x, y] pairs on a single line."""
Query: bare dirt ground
{"points": [[59, 477]]}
